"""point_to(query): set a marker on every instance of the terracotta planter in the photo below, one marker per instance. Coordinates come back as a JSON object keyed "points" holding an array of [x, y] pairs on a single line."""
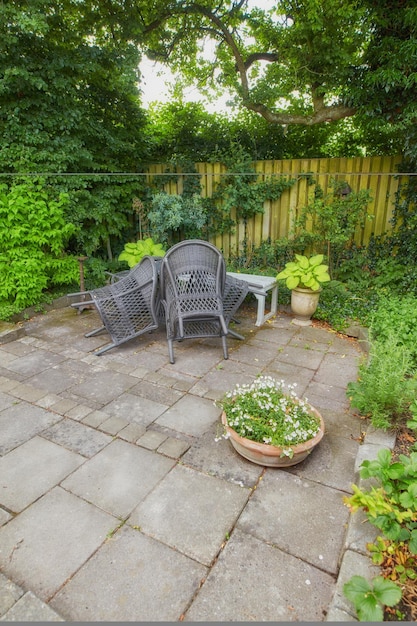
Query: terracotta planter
{"points": [[304, 304], [268, 455]]}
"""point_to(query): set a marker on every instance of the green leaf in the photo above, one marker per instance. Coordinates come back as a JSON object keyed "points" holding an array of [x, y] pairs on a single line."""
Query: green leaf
{"points": [[317, 260], [292, 282], [302, 261], [370, 610], [356, 589], [386, 591], [412, 544]]}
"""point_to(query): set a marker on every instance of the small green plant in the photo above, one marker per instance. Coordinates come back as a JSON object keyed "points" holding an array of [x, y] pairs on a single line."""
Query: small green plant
{"points": [[412, 423], [333, 219], [369, 599], [134, 252], [391, 504], [304, 272], [395, 558], [384, 389], [397, 315]]}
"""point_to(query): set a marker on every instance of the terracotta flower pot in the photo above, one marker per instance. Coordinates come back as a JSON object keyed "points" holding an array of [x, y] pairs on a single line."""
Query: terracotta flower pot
{"points": [[272, 456]]}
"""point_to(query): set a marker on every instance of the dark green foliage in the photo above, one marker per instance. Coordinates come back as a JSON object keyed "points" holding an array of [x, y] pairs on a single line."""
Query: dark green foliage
{"points": [[333, 220], [397, 315], [69, 103], [239, 194]]}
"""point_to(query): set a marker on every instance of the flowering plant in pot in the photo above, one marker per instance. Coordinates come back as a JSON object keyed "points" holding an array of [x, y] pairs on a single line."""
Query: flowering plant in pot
{"points": [[268, 424]]}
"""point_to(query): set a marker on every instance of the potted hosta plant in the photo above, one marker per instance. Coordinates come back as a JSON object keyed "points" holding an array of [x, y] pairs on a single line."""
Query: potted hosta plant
{"points": [[134, 252], [305, 277], [268, 424]]}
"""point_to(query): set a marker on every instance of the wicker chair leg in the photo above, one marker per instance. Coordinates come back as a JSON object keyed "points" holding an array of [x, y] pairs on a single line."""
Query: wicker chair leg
{"points": [[96, 331], [225, 351], [109, 346], [171, 351], [233, 333]]}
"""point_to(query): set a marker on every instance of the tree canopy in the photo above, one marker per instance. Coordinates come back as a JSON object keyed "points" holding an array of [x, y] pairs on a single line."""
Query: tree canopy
{"points": [[297, 62], [69, 99]]}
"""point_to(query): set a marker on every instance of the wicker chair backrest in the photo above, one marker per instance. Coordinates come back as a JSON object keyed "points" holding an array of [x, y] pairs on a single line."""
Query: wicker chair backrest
{"points": [[193, 267]]}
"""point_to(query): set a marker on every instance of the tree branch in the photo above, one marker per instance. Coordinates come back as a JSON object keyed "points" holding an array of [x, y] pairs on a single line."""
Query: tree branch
{"points": [[324, 114]]}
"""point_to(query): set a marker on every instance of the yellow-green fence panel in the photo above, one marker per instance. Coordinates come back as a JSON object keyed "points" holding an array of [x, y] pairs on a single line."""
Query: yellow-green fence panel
{"points": [[379, 175]]}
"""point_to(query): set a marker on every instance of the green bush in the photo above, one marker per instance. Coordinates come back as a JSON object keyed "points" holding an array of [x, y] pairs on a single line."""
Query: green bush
{"points": [[33, 235], [397, 315], [384, 389]]}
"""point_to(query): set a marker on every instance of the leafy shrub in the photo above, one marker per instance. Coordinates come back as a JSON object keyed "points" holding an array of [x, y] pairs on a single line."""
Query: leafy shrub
{"points": [[341, 306], [176, 216], [397, 315], [384, 389], [33, 235], [334, 217]]}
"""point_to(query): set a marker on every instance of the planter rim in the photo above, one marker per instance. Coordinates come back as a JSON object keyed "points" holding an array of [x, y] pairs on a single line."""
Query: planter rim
{"points": [[307, 289]]}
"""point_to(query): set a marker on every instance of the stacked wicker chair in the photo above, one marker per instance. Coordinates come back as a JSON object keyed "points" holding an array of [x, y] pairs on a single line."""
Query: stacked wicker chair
{"points": [[197, 298], [129, 306]]}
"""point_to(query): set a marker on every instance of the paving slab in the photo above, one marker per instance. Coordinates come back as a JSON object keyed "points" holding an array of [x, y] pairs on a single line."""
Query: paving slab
{"points": [[157, 392], [118, 477], [302, 357], [301, 377], [132, 578], [336, 369], [253, 581], [22, 421], [191, 415], [30, 470], [49, 541], [195, 363], [326, 396], [9, 594], [300, 516], [191, 512], [255, 352], [63, 376], [134, 408], [332, 463], [214, 455], [30, 609], [77, 437], [174, 448], [104, 386], [34, 362], [224, 377], [5, 401]]}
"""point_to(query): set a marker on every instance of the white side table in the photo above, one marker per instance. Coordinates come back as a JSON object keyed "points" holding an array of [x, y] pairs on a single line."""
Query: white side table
{"points": [[259, 286]]}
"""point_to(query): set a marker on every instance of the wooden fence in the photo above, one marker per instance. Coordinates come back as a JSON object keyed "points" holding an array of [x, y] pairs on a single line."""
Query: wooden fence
{"points": [[379, 175]]}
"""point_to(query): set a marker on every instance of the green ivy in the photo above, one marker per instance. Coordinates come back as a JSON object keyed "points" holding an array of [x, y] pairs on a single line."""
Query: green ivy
{"points": [[240, 195], [332, 220]]}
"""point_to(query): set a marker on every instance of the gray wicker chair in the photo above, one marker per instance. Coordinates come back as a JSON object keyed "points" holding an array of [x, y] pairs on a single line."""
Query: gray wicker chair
{"points": [[129, 306], [192, 283], [235, 291]]}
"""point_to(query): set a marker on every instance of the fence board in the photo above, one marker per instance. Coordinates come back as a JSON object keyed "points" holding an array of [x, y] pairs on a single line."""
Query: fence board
{"points": [[377, 174]]}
